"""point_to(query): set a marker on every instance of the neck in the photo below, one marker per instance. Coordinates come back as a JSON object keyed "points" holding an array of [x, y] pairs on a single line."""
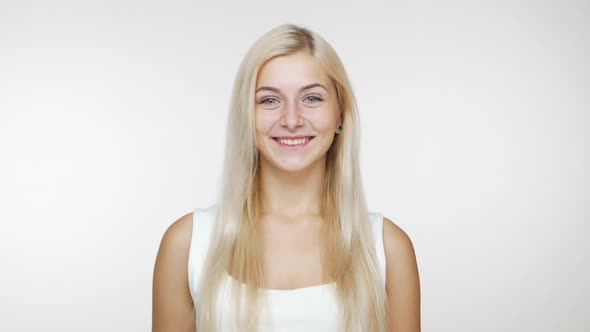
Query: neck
{"points": [[292, 194]]}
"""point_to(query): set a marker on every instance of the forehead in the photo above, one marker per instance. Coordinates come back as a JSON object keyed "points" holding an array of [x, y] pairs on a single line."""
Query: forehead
{"points": [[292, 70]]}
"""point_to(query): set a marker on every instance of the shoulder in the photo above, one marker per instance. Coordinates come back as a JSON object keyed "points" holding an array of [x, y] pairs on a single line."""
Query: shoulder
{"points": [[398, 245], [178, 234], [402, 279], [173, 253], [400, 256], [172, 306], [181, 228], [175, 243]]}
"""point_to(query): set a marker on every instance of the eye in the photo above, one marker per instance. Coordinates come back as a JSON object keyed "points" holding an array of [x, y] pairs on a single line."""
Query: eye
{"points": [[314, 99], [264, 101]]}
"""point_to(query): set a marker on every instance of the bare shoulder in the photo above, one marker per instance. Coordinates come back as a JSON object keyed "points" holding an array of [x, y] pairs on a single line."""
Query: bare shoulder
{"points": [[175, 245], [402, 279], [397, 243], [176, 241], [172, 305], [179, 233]]}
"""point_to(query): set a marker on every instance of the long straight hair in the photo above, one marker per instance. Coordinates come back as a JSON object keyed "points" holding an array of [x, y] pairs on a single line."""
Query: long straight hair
{"points": [[348, 249]]}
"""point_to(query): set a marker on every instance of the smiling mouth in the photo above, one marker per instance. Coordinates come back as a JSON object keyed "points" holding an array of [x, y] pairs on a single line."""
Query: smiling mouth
{"points": [[292, 144]]}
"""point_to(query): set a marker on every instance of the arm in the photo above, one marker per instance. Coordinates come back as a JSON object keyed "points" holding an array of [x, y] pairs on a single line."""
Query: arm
{"points": [[172, 305], [403, 283]]}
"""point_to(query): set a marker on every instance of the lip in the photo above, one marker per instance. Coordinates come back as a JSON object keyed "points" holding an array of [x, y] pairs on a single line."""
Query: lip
{"points": [[293, 147], [294, 137]]}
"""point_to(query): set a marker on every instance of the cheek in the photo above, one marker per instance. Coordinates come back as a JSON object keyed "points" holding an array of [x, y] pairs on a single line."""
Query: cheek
{"points": [[321, 121], [264, 122]]}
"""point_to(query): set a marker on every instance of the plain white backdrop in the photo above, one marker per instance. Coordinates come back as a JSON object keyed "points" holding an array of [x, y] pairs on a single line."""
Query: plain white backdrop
{"points": [[475, 140]]}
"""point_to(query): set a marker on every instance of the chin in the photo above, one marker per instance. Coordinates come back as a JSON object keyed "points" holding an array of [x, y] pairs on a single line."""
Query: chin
{"points": [[294, 166], [277, 163], [287, 164], [294, 169]]}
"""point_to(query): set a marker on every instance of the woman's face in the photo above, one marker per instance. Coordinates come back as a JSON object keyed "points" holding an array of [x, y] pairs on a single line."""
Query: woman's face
{"points": [[294, 98]]}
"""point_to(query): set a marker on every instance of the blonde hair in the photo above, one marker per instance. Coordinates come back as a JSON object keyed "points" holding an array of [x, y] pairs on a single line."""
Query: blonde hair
{"points": [[348, 244]]}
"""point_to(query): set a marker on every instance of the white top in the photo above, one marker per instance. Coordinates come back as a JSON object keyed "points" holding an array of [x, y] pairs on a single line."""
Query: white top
{"points": [[304, 309]]}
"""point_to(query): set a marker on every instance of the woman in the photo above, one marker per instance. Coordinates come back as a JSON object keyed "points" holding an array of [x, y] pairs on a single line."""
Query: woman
{"points": [[290, 245]]}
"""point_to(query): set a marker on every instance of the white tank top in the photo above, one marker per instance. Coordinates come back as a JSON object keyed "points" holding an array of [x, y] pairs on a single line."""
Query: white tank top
{"points": [[304, 309]]}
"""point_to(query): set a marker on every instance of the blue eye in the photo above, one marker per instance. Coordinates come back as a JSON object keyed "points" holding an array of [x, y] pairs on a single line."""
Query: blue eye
{"points": [[264, 101], [316, 98]]}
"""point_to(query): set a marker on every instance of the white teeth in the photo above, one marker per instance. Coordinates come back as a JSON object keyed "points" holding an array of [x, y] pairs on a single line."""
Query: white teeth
{"points": [[293, 141]]}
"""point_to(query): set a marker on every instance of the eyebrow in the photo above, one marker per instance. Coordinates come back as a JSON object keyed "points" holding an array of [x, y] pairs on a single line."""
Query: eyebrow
{"points": [[270, 88]]}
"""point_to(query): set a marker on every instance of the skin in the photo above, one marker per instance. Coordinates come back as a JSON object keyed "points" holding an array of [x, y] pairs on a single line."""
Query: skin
{"points": [[291, 180], [291, 189]]}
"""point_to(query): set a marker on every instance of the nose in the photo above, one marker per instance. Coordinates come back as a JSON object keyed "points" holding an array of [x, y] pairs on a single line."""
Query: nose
{"points": [[291, 117]]}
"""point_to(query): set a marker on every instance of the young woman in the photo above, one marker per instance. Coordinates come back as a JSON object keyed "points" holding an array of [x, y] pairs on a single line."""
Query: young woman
{"points": [[290, 244]]}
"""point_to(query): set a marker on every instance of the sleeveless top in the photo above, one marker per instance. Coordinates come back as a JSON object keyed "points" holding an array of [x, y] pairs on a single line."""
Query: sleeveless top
{"points": [[312, 308]]}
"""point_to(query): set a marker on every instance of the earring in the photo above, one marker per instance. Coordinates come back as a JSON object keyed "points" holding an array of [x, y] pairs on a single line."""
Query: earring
{"points": [[339, 128]]}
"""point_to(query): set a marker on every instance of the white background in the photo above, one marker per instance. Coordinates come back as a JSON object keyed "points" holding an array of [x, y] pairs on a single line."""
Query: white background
{"points": [[475, 140]]}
